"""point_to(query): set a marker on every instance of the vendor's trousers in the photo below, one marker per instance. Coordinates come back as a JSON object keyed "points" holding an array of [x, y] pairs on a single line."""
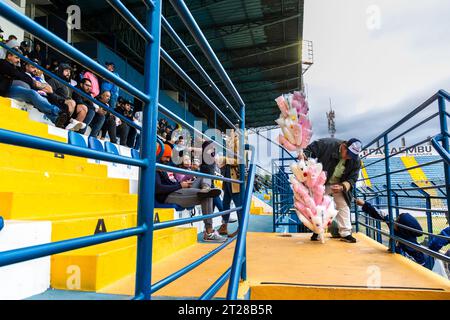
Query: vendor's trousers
{"points": [[343, 217]]}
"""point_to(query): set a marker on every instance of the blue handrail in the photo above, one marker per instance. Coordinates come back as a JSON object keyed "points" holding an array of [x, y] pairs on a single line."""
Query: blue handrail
{"points": [[147, 162], [440, 143]]}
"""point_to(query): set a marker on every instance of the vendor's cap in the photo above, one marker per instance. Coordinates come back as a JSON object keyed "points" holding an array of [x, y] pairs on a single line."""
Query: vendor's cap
{"points": [[354, 147]]}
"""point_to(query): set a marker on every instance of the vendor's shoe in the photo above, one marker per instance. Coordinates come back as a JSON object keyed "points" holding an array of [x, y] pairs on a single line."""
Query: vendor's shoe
{"points": [[315, 237], [223, 231], [348, 239], [336, 236], [209, 193]]}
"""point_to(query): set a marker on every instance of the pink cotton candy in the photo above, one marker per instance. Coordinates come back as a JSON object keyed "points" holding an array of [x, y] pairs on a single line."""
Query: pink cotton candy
{"points": [[282, 105], [285, 143]]}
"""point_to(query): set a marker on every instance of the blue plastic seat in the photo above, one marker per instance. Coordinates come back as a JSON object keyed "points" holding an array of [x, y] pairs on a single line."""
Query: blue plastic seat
{"points": [[135, 154], [111, 148], [77, 139], [95, 144]]}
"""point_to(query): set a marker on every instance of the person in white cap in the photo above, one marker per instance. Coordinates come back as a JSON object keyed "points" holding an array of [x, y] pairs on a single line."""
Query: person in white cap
{"points": [[341, 162]]}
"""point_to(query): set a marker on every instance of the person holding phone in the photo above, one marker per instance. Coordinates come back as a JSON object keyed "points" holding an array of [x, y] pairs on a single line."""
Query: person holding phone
{"points": [[187, 194]]}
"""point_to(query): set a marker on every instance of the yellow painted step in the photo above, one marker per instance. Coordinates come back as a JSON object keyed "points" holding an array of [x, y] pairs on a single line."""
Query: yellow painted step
{"points": [[63, 229], [93, 268], [35, 181], [36, 160], [29, 127], [20, 206], [28, 152]]}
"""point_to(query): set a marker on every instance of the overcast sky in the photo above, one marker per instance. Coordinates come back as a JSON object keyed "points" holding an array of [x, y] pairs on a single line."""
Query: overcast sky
{"points": [[377, 60]]}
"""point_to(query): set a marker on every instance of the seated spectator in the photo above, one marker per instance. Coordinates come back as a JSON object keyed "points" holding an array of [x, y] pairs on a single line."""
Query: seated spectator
{"points": [[187, 194], [38, 54], [187, 165], [26, 91], [95, 87], [108, 86], [110, 127], [11, 43], [100, 114], [85, 107], [179, 147], [25, 48], [195, 165], [62, 96], [124, 108]]}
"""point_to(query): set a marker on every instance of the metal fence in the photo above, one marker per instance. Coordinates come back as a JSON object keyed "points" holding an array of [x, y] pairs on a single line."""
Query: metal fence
{"points": [[395, 197], [151, 33]]}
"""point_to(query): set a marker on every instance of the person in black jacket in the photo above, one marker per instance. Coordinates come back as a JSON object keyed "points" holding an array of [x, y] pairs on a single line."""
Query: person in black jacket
{"points": [[62, 95], [187, 194], [9, 74], [85, 106], [124, 108], [340, 160]]}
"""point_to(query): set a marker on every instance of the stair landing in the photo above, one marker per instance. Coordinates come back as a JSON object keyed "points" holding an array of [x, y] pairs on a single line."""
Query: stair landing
{"points": [[293, 267]]}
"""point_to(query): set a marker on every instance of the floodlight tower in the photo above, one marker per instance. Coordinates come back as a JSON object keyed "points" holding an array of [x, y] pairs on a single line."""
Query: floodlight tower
{"points": [[331, 116]]}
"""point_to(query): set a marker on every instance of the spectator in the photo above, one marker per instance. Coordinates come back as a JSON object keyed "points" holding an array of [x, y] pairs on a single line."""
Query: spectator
{"points": [[85, 106], [340, 159], [37, 53], [2, 40], [100, 114], [95, 88], [62, 96], [110, 125], [13, 44], [179, 146], [436, 244], [187, 165], [405, 219], [108, 86], [195, 165], [25, 48], [231, 191], [187, 194], [26, 91], [123, 129]]}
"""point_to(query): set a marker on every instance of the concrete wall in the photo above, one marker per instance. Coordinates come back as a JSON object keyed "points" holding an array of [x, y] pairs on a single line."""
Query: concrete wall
{"points": [[10, 28]]}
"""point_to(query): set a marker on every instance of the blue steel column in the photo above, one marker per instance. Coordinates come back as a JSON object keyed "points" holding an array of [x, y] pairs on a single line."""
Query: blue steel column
{"points": [[242, 189], [445, 143], [389, 192], [146, 202]]}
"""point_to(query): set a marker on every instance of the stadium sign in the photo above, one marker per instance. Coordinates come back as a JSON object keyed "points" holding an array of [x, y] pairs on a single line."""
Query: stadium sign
{"points": [[418, 151]]}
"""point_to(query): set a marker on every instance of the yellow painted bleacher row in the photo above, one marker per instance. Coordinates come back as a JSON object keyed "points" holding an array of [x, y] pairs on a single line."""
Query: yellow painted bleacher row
{"points": [[79, 199]]}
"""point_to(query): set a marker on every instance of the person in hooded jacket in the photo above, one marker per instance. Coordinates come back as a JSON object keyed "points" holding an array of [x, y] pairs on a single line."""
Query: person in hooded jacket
{"points": [[62, 96], [405, 219]]}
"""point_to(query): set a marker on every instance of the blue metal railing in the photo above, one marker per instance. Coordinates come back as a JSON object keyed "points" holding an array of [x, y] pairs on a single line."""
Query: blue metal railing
{"points": [[392, 194], [151, 32]]}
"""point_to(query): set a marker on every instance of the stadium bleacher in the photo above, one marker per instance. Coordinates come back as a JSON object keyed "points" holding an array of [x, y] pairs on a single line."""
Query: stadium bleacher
{"points": [[101, 199]]}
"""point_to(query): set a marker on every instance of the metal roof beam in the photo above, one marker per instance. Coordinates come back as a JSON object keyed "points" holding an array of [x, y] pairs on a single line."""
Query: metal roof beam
{"points": [[234, 59], [269, 84], [247, 26]]}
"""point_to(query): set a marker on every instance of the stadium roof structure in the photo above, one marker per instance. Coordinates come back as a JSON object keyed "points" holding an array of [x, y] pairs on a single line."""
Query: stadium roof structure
{"points": [[259, 43]]}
